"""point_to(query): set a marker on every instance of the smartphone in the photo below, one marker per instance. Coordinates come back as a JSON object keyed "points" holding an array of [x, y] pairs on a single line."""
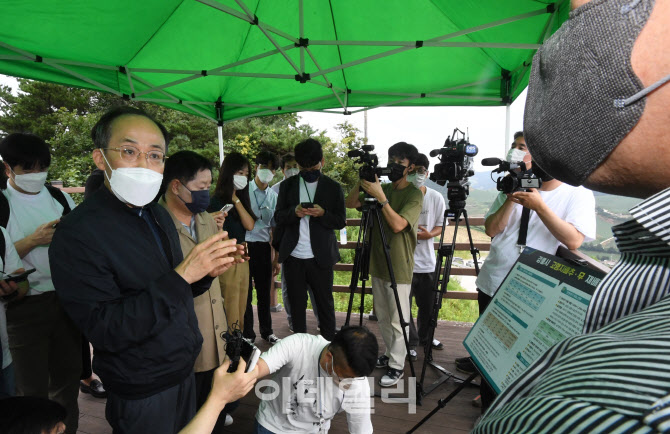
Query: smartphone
{"points": [[253, 360], [227, 207], [19, 277], [307, 204]]}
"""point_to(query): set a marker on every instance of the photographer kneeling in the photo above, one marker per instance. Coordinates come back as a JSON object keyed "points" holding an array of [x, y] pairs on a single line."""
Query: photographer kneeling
{"points": [[314, 380], [400, 203], [560, 214]]}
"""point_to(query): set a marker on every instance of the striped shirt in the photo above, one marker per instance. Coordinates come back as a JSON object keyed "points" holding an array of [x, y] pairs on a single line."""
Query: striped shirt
{"points": [[616, 379], [642, 275]]}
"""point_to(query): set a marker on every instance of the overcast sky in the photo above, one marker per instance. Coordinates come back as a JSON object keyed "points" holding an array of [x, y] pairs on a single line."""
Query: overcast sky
{"points": [[424, 127]]}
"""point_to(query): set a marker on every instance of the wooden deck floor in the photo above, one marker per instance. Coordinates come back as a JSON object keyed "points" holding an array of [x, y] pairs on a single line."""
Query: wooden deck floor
{"points": [[457, 417]]}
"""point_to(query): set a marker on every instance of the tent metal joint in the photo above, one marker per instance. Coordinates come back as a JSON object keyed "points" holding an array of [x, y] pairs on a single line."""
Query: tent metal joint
{"points": [[419, 44], [423, 95], [38, 59], [551, 8], [122, 70], [254, 21], [346, 112], [302, 78], [125, 97], [302, 42], [203, 73]]}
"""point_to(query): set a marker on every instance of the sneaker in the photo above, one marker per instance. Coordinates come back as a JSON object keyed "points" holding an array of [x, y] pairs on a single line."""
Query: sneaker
{"points": [[437, 345], [290, 327], [272, 339], [392, 377], [229, 420], [477, 402], [467, 367], [382, 361], [412, 355]]}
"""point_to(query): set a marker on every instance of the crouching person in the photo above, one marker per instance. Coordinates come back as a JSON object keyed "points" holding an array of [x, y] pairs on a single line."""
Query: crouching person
{"points": [[313, 380]]}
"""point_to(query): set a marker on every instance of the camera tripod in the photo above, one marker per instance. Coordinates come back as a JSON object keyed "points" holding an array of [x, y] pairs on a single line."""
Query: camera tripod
{"points": [[444, 252], [361, 270]]}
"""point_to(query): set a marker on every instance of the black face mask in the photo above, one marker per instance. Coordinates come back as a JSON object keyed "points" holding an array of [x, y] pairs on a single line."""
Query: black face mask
{"points": [[397, 171], [540, 173], [310, 175]]}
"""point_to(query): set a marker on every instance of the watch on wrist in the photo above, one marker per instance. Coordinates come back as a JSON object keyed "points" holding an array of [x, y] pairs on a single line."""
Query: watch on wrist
{"points": [[236, 202], [384, 203]]}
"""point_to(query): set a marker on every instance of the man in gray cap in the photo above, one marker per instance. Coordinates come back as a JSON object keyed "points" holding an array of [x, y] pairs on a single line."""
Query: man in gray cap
{"points": [[598, 114]]}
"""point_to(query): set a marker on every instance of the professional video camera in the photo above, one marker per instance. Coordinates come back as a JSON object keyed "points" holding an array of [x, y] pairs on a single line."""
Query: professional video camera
{"points": [[455, 167], [455, 159], [370, 162], [518, 178]]}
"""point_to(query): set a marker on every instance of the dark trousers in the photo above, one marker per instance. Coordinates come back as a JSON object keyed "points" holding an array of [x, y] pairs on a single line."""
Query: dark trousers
{"points": [[46, 352], [260, 272], [487, 392], [165, 412], [86, 370], [299, 274], [203, 385], [422, 290]]}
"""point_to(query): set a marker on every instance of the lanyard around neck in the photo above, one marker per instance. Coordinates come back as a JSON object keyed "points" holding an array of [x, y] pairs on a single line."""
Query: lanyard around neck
{"points": [[306, 189]]}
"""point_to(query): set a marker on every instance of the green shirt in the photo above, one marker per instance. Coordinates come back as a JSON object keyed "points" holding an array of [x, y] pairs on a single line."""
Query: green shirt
{"points": [[407, 203]]}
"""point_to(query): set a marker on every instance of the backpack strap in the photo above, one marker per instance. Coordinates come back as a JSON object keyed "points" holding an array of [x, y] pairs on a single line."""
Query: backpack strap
{"points": [[4, 212], [57, 194], [3, 247]]}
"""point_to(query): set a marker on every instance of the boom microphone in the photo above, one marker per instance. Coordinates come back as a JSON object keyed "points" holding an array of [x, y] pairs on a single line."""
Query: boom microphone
{"points": [[491, 161]]}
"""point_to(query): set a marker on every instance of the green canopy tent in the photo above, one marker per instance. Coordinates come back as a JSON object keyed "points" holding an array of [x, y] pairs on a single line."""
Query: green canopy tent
{"points": [[231, 59]]}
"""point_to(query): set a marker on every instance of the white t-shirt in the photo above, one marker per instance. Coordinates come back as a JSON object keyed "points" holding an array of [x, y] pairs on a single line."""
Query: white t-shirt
{"points": [[26, 213], [303, 250], [575, 205], [432, 215], [304, 397], [11, 264]]}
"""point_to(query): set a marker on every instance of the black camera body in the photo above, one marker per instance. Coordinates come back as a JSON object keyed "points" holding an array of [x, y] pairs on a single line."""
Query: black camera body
{"points": [[518, 177], [456, 160], [517, 182], [369, 162], [236, 346]]}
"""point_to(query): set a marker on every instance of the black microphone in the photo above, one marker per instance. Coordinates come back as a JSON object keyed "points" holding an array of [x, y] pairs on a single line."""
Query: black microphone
{"points": [[435, 152], [491, 161]]}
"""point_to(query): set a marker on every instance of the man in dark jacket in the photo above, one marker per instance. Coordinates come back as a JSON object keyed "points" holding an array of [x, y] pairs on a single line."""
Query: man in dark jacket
{"points": [[309, 208], [118, 270]]}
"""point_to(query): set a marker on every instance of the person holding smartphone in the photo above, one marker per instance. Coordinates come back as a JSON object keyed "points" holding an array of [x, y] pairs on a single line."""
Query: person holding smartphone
{"points": [[308, 246], [232, 188]]}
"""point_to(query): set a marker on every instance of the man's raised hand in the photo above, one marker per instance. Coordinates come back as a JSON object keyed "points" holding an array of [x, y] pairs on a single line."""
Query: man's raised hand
{"points": [[208, 258]]}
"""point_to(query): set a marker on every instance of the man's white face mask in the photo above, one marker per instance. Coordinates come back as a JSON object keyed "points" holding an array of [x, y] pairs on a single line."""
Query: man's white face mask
{"points": [[134, 185]]}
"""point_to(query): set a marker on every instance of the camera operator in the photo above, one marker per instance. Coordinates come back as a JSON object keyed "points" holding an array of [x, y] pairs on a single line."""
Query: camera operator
{"points": [[615, 377], [400, 203], [560, 214]]}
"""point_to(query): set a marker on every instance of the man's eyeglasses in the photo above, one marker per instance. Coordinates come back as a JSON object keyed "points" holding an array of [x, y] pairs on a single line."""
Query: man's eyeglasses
{"points": [[420, 171], [130, 154]]}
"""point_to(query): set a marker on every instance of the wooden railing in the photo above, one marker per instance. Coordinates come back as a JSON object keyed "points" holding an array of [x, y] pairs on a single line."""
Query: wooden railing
{"points": [[455, 271]]}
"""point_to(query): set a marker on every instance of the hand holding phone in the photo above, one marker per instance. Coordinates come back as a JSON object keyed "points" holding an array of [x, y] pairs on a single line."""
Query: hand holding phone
{"points": [[307, 205], [227, 207]]}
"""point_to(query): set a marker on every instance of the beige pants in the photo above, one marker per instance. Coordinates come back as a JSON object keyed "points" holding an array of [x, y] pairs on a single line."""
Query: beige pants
{"points": [[234, 290], [388, 319]]}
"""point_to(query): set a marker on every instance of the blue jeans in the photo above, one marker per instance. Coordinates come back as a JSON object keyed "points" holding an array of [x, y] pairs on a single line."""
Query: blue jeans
{"points": [[7, 382], [260, 429]]}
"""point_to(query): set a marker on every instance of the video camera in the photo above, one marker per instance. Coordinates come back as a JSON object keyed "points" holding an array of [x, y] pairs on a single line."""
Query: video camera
{"points": [[518, 178], [455, 167], [455, 159], [370, 162]]}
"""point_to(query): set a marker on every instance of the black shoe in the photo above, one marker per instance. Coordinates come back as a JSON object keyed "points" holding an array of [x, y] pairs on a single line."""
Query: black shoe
{"points": [[272, 339], [412, 355], [437, 345], [467, 367], [96, 389], [382, 361]]}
